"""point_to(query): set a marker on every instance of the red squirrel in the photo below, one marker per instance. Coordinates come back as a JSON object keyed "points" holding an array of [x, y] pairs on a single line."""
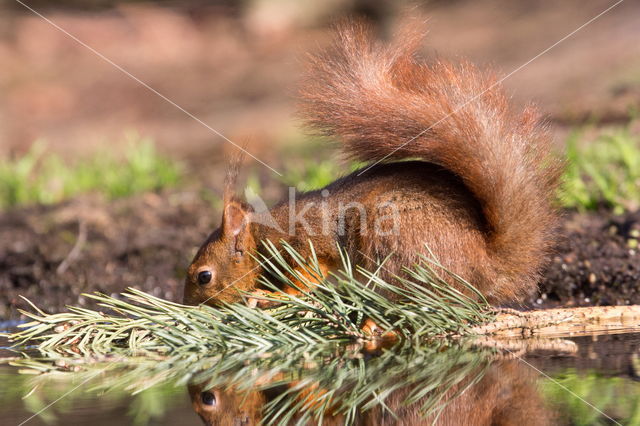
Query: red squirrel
{"points": [[507, 394], [450, 166]]}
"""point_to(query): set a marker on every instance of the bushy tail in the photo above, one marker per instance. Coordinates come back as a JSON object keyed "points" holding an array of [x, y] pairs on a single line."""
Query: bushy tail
{"points": [[386, 105]]}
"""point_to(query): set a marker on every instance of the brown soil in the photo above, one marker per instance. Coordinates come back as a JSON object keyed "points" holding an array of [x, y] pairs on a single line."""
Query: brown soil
{"points": [[597, 262], [147, 242]]}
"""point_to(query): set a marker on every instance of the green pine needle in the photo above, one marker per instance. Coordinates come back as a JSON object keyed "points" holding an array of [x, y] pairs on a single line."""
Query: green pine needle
{"points": [[427, 307]]}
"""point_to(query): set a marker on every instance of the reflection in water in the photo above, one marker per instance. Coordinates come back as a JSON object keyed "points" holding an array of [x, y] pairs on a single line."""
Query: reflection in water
{"points": [[506, 395], [443, 385], [443, 382]]}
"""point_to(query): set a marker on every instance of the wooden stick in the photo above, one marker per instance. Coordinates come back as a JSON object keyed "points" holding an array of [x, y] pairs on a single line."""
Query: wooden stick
{"points": [[563, 322]]}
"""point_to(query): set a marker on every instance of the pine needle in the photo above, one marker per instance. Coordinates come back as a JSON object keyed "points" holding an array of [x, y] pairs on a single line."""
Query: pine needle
{"points": [[427, 307]]}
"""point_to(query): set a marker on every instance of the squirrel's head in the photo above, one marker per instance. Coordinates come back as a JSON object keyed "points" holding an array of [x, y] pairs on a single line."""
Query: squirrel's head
{"points": [[224, 265], [226, 406]]}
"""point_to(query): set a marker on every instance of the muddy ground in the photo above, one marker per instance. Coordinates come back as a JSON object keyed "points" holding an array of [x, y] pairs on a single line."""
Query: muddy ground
{"points": [[53, 254], [597, 262]]}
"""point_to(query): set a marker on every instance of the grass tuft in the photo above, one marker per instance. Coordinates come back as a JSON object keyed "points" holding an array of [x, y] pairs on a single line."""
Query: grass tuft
{"points": [[44, 178], [619, 397], [310, 175], [603, 173]]}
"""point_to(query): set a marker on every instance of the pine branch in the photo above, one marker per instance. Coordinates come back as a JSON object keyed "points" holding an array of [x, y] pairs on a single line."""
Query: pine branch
{"points": [[333, 312]]}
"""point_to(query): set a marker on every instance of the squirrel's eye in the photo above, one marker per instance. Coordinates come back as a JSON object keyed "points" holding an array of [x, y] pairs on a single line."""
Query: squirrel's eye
{"points": [[208, 398], [204, 277]]}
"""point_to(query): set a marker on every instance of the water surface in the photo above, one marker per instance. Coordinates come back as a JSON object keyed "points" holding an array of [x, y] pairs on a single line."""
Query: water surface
{"points": [[580, 381]]}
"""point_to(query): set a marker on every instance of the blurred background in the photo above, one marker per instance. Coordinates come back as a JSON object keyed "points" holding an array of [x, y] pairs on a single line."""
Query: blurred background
{"points": [[106, 184], [235, 64]]}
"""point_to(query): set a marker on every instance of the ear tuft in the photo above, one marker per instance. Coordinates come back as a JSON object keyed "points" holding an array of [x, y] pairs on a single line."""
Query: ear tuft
{"points": [[234, 219]]}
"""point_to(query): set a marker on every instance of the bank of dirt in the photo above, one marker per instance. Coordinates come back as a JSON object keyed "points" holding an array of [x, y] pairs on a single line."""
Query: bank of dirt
{"points": [[53, 254], [597, 262]]}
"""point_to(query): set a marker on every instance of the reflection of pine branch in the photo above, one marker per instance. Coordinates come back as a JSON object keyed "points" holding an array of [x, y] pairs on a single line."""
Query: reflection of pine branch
{"points": [[308, 382], [430, 375]]}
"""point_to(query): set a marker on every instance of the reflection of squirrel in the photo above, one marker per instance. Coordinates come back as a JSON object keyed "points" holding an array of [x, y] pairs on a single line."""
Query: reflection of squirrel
{"points": [[478, 190], [506, 395]]}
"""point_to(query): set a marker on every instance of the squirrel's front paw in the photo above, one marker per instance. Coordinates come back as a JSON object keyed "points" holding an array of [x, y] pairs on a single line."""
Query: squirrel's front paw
{"points": [[380, 338], [371, 328], [263, 299]]}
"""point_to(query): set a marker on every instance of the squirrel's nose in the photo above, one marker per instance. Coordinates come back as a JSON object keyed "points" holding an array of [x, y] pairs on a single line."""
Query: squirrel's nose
{"points": [[189, 298]]}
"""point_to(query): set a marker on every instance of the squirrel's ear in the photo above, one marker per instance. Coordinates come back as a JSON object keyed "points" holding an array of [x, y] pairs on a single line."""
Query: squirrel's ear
{"points": [[235, 219]]}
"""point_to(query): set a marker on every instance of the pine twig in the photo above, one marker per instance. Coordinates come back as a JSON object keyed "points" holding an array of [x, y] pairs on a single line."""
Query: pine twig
{"points": [[563, 322]]}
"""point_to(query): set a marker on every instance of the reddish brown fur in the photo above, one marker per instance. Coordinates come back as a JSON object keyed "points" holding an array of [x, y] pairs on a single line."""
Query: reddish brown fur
{"points": [[480, 197], [506, 395]]}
